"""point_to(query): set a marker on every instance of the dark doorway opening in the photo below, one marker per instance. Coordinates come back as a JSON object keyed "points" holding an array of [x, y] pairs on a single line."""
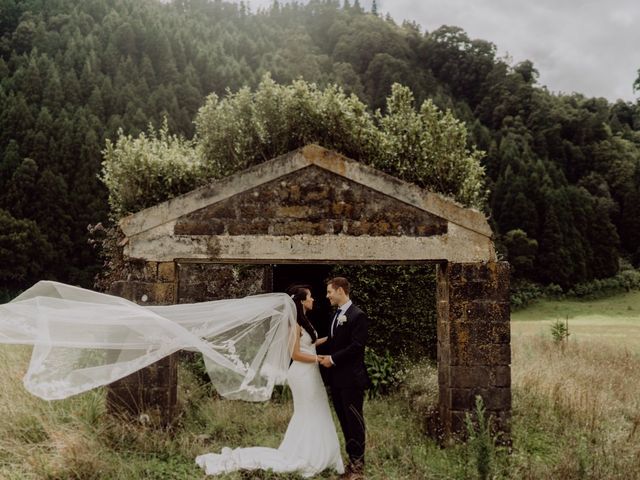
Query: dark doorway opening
{"points": [[315, 275]]}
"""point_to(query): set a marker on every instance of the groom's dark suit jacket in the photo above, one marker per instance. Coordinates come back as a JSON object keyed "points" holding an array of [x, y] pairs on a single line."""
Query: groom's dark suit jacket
{"points": [[346, 348]]}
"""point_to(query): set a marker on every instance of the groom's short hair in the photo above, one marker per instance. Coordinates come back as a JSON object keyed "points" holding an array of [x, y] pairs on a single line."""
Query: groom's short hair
{"points": [[340, 282]]}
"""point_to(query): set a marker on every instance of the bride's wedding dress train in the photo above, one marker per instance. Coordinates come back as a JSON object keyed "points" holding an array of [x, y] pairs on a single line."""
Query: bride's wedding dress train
{"points": [[310, 444]]}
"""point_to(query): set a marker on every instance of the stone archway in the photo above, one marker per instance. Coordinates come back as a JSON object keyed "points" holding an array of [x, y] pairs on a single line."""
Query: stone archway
{"points": [[316, 206]]}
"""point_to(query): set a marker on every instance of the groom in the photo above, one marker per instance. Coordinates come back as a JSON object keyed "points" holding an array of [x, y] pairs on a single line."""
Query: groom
{"points": [[348, 374]]}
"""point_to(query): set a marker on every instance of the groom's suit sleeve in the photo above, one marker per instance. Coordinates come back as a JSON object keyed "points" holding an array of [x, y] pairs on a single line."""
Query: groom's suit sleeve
{"points": [[357, 343]]}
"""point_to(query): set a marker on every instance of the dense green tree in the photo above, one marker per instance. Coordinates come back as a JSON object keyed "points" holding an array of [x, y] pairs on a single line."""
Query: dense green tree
{"points": [[460, 62], [24, 252], [553, 261], [72, 74], [9, 163], [368, 37], [521, 252], [21, 190]]}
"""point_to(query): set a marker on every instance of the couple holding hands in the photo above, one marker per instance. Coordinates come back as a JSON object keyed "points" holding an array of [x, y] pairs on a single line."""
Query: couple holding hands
{"points": [[310, 444]]}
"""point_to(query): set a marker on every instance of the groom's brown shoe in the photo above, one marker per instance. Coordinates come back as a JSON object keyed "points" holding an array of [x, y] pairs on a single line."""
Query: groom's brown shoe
{"points": [[347, 473], [354, 471]]}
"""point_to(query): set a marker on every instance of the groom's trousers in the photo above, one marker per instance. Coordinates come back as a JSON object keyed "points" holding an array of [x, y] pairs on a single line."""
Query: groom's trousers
{"points": [[348, 404]]}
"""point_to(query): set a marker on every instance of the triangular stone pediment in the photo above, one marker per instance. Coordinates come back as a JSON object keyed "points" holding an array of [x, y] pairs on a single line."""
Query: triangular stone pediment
{"points": [[311, 204], [311, 201]]}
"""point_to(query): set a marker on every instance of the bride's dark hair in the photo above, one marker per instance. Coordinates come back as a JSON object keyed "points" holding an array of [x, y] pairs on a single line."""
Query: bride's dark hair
{"points": [[298, 294]]}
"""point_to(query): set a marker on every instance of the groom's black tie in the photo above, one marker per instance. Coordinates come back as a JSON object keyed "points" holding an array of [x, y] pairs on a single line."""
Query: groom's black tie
{"points": [[333, 324]]}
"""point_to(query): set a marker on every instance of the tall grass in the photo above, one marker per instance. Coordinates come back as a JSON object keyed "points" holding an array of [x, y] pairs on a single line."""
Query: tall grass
{"points": [[576, 415], [576, 409]]}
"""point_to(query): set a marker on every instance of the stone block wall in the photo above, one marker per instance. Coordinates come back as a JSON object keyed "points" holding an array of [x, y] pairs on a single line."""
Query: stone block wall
{"points": [[312, 201], [202, 282], [474, 352], [151, 283], [152, 391], [149, 394]]}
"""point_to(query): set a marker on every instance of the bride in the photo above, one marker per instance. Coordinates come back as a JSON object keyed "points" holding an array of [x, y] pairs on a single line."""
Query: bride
{"points": [[310, 444]]}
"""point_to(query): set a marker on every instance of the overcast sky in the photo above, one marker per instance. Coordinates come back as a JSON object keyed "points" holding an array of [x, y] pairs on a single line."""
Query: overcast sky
{"points": [[586, 46]]}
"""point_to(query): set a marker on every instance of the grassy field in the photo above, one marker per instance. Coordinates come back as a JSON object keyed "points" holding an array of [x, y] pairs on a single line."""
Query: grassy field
{"points": [[576, 414], [577, 406], [614, 320]]}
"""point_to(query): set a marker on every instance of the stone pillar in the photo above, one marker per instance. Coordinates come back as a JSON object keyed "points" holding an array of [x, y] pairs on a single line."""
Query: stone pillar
{"points": [[149, 394], [474, 350]]}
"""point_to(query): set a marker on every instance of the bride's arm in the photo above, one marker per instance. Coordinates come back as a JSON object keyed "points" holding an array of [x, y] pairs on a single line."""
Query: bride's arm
{"points": [[320, 341], [299, 356]]}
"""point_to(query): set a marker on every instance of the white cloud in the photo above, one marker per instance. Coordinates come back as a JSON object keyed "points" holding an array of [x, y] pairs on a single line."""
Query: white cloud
{"points": [[586, 46]]}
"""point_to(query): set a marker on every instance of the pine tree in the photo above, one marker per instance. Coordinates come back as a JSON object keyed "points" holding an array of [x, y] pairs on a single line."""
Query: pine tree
{"points": [[521, 251], [553, 263], [21, 190], [24, 252], [8, 164]]}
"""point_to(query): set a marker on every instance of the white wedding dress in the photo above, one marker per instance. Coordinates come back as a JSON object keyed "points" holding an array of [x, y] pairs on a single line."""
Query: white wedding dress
{"points": [[310, 444]]}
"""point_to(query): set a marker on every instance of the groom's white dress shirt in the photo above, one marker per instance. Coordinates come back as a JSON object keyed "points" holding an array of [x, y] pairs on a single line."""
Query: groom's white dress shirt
{"points": [[343, 309]]}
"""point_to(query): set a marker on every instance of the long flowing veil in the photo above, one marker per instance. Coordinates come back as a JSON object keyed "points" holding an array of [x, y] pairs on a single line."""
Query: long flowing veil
{"points": [[83, 339]]}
